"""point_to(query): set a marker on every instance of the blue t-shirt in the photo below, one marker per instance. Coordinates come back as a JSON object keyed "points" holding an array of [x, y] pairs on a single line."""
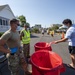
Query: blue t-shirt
{"points": [[70, 34]]}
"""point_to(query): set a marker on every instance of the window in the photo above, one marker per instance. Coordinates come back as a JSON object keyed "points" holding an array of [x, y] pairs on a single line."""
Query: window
{"points": [[3, 22], [0, 21], [6, 22]]}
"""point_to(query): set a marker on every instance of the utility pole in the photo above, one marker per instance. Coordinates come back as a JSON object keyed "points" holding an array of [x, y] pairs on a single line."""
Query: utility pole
{"points": [[45, 26], [73, 21]]}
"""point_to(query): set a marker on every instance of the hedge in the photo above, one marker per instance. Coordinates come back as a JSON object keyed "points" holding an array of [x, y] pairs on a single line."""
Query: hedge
{"points": [[1, 33]]}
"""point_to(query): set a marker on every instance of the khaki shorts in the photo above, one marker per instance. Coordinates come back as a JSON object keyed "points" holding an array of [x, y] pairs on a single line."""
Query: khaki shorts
{"points": [[71, 49], [26, 49], [14, 63]]}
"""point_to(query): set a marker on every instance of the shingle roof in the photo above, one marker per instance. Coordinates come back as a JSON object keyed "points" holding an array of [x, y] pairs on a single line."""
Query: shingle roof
{"points": [[2, 6]]}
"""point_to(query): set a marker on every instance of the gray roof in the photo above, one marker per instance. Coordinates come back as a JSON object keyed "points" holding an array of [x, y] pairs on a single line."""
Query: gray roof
{"points": [[2, 7]]}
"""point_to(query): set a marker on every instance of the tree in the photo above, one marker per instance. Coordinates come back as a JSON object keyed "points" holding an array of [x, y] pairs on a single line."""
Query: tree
{"points": [[50, 29], [28, 24], [22, 20], [55, 27]]}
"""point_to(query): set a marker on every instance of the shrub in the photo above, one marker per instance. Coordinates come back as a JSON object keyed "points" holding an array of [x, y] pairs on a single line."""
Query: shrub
{"points": [[35, 30], [1, 33]]}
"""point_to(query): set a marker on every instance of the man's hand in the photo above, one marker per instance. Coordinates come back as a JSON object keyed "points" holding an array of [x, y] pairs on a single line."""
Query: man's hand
{"points": [[4, 50], [55, 42]]}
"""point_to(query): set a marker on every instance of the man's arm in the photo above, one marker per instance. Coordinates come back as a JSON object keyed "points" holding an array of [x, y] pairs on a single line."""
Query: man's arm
{"points": [[2, 49], [4, 38], [67, 36], [21, 35], [62, 40]]}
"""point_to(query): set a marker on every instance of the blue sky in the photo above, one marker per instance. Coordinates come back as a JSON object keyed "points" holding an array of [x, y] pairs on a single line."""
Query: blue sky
{"points": [[44, 12]]}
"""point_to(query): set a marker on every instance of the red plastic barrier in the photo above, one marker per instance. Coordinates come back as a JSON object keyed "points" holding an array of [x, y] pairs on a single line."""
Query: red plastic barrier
{"points": [[46, 63], [42, 46]]}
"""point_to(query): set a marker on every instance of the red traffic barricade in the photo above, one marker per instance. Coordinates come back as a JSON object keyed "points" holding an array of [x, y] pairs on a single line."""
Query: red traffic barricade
{"points": [[46, 63], [42, 46]]}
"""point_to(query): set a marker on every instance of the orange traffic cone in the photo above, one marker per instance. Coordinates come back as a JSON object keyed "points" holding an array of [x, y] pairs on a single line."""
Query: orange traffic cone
{"points": [[62, 36]]}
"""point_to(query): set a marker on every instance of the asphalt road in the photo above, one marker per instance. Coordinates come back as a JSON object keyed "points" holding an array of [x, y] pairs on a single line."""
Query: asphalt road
{"points": [[61, 49]]}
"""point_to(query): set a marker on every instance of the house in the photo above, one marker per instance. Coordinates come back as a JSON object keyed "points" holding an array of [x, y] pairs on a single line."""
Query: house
{"points": [[5, 15], [37, 26]]}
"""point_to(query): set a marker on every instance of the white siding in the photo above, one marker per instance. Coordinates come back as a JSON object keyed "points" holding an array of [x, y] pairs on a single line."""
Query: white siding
{"points": [[6, 14], [4, 28]]}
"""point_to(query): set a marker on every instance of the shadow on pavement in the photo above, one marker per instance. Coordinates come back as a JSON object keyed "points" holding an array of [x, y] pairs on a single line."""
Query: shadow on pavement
{"points": [[69, 71], [47, 36], [33, 36]]}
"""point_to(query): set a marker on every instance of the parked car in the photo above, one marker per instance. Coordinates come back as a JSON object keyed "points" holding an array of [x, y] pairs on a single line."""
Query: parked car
{"points": [[61, 30]]}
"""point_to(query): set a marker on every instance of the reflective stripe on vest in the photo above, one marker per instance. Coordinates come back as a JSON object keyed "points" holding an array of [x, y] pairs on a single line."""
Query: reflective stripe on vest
{"points": [[26, 38]]}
